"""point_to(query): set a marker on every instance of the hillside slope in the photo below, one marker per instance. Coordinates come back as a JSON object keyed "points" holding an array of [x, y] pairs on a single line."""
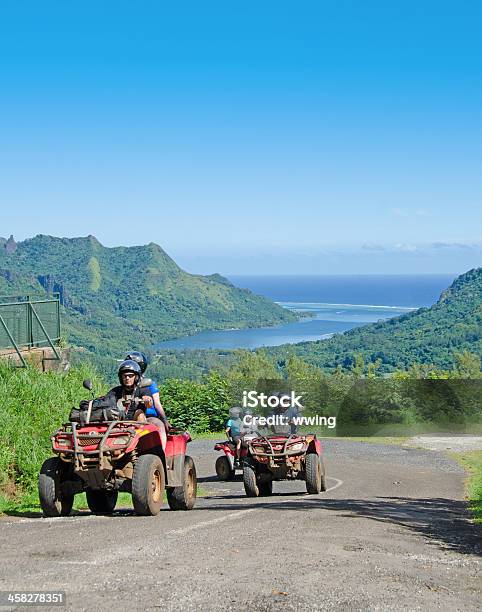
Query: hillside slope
{"points": [[117, 298], [428, 335]]}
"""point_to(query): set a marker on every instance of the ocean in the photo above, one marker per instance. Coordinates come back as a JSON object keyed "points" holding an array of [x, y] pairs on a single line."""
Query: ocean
{"points": [[336, 303], [377, 290]]}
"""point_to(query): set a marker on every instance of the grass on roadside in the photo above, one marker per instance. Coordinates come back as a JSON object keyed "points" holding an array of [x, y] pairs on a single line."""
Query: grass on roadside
{"points": [[29, 504], [472, 462], [209, 435]]}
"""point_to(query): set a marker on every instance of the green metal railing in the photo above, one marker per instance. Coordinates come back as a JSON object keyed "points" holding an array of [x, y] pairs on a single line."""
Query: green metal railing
{"points": [[27, 323]]}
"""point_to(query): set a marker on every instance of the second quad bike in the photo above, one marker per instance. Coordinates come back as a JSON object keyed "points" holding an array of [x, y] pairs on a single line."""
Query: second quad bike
{"points": [[283, 457], [104, 458]]}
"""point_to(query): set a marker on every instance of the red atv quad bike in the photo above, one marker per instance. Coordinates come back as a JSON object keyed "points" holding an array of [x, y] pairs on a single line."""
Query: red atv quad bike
{"points": [[225, 468], [105, 458], [283, 457]]}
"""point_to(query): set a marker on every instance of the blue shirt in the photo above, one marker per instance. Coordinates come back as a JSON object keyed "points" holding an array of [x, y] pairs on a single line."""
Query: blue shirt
{"points": [[234, 426], [153, 388]]}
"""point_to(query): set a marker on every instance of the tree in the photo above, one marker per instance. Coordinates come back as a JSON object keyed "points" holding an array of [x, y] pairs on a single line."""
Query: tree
{"points": [[467, 365]]}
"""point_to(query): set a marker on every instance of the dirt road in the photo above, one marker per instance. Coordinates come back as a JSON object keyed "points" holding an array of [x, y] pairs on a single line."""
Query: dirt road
{"points": [[391, 533]]}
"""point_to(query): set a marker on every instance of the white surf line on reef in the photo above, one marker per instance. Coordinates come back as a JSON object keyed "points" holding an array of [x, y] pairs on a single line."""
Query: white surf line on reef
{"points": [[376, 306]]}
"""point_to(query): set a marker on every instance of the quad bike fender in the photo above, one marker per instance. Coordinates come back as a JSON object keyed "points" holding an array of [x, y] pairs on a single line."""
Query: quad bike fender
{"points": [[147, 439], [175, 454], [227, 448], [175, 470], [177, 444], [314, 447], [230, 458]]}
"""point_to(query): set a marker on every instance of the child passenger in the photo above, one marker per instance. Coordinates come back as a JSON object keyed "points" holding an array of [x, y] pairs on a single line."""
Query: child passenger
{"points": [[233, 431]]}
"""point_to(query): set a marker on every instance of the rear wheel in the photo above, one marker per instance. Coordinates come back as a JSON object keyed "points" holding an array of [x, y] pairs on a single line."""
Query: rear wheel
{"points": [[101, 502], [313, 473], [223, 469], [184, 498], [52, 500], [249, 480], [148, 485]]}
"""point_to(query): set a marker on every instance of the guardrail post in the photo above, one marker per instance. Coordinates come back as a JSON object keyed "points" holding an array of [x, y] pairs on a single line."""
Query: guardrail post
{"points": [[29, 323], [58, 317]]}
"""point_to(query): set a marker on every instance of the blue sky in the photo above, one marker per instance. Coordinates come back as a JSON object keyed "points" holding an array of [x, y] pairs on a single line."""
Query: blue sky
{"points": [[255, 137]]}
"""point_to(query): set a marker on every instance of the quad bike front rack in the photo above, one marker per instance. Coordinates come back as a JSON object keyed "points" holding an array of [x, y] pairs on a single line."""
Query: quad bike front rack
{"points": [[80, 455], [273, 453]]}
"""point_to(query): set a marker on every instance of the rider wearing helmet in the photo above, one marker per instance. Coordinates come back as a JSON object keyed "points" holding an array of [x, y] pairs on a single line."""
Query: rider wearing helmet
{"points": [[127, 394], [155, 414]]}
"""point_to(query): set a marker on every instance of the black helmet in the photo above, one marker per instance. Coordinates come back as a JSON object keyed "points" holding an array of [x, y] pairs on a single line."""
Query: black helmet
{"points": [[129, 365], [139, 358]]}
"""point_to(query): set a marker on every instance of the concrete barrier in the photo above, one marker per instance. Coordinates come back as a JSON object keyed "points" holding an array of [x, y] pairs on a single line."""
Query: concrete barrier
{"points": [[43, 358]]}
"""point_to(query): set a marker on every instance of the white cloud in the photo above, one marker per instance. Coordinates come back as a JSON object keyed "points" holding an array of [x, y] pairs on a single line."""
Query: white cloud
{"points": [[373, 247], [406, 248]]}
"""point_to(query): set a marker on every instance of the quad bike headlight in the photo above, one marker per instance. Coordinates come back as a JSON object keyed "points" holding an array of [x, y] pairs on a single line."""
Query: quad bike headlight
{"points": [[64, 442], [259, 449], [120, 440], [299, 446]]}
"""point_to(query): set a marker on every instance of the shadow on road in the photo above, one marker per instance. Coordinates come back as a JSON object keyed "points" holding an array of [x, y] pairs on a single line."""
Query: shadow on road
{"points": [[445, 522]]}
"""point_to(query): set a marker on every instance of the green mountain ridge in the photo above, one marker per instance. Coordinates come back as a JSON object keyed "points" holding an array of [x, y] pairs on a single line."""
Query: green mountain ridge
{"points": [[114, 299], [426, 336]]}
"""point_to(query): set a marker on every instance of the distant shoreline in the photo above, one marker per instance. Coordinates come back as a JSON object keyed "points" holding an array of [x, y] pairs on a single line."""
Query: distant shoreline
{"points": [[318, 323]]}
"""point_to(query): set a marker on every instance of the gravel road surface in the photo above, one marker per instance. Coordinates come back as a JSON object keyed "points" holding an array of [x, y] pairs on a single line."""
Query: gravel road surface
{"points": [[391, 533], [453, 443]]}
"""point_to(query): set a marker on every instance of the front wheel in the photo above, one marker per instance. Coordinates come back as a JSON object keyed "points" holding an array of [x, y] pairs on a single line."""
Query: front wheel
{"points": [[148, 485], [313, 473], [184, 497], [52, 501], [223, 469], [250, 481], [101, 502]]}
